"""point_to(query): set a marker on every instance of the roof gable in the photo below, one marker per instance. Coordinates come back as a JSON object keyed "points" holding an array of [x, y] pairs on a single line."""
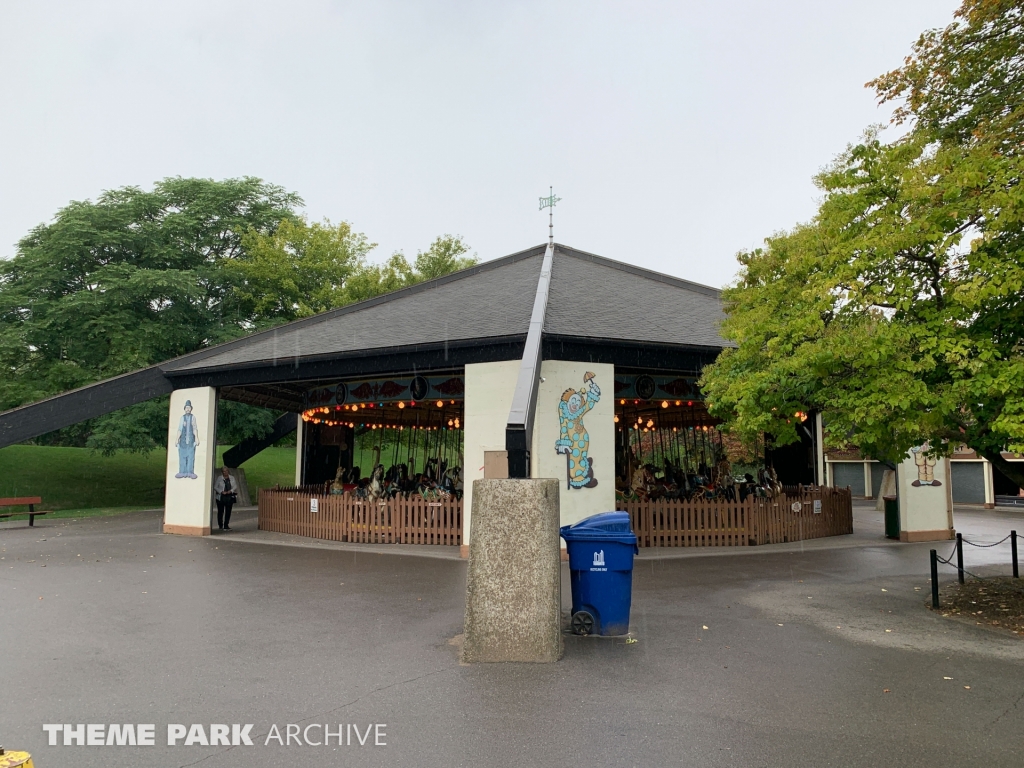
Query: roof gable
{"points": [[595, 297]]}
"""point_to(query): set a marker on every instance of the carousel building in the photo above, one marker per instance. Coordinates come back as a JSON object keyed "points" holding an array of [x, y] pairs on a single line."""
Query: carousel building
{"points": [[548, 363]]}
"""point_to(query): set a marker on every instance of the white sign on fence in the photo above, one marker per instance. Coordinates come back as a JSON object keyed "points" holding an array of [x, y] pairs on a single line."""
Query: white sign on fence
{"points": [[314, 505], [817, 506]]}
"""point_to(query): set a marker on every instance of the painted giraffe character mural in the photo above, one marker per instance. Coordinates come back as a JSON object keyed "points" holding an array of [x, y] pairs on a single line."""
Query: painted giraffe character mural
{"points": [[573, 440]]}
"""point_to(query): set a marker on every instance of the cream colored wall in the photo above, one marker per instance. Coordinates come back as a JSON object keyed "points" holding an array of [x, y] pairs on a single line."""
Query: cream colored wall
{"points": [[558, 376], [187, 502], [489, 390], [925, 508]]}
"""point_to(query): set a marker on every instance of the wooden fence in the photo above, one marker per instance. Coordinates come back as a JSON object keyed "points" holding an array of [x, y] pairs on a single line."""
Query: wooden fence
{"points": [[662, 523], [714, 523], [342, 517]]}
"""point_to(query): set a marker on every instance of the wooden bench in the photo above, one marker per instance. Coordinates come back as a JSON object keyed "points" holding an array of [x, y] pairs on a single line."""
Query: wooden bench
{"points": [[29, 501]]}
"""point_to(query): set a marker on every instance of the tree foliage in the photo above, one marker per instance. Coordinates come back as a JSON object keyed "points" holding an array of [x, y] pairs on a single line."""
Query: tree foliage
{"points": [[138, 277], [127, 281], [965, 81], [445, 255], [297, 270], [898, 311]]}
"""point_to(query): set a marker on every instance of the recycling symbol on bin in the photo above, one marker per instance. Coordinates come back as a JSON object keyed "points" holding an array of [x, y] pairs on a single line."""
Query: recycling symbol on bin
{"points": [[599, 559]]}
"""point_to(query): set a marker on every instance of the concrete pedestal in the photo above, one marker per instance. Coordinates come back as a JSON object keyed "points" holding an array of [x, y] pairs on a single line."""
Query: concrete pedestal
{"points": [[513, 591]]}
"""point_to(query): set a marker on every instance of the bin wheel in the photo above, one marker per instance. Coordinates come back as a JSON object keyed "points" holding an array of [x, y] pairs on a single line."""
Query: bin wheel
{"points": [[582, 623]]}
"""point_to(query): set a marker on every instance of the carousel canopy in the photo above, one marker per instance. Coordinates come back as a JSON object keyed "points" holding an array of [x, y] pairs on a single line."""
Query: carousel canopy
{"points": [[597, 309]]}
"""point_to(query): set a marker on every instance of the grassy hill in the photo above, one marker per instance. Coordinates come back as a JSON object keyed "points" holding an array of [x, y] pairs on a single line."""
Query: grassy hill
{"points": [[79, 479]]}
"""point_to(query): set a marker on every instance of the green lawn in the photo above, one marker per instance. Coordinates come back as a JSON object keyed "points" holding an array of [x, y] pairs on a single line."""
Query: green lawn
{"points": [[79, 479]]}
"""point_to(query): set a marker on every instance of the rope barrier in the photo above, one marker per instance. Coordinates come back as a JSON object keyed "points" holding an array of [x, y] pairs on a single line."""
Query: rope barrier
{"points": [[948, 559], [958, 551], [1005, 538]]}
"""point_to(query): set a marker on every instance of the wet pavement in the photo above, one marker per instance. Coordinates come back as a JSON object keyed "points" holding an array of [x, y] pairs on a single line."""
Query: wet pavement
{"points": [[813, 655]]}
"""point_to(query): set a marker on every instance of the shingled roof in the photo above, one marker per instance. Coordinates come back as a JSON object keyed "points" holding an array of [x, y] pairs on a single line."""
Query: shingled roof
{"points": [[591, 298]]}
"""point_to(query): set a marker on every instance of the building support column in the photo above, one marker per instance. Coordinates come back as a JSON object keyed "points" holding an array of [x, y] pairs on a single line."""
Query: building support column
{"points": [[488, 397], [191, 455], [925, 497], [867, 480], [990, 485]]}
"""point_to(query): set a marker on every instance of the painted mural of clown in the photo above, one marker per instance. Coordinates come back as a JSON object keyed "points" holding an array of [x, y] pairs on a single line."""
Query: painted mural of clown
{"points": [[573, 440]]}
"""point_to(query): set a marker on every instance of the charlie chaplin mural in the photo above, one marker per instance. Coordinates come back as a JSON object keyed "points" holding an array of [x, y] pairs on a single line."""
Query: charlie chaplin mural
{"points": [[573, 439], [186, 442]]}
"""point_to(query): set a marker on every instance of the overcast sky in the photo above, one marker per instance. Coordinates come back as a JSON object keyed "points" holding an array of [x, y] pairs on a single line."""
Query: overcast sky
{"points": [[676, 133]]}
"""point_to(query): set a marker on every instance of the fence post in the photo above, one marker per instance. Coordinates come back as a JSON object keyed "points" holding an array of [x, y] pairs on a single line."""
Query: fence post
{"points": [[960, 557], [1013, 553], [935, 579]]}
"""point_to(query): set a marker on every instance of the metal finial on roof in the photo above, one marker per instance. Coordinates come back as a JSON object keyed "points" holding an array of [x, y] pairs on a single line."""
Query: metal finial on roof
{"points": [[549, 202]]}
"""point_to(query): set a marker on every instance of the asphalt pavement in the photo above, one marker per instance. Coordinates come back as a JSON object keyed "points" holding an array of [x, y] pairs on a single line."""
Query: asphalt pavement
{"points": [[817, 655]]}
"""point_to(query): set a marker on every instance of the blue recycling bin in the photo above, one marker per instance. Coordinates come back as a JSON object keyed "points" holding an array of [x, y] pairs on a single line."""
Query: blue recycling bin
{"points": [[601, 549]]}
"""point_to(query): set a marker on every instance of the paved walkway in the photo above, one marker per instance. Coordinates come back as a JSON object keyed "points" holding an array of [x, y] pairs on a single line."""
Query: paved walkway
{"points": [[976, 524], [744, 658]]}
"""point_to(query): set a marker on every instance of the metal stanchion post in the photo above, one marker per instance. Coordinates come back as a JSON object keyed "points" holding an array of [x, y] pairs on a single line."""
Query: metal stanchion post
{"points": [[960, 558], [1013, 553], [935, 579]]}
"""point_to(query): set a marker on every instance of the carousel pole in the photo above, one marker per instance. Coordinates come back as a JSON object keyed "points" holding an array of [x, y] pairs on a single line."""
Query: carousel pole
{"points": [[414, 445], [661, 440], [409, 451], [394, 453], [677, 459], [703, 446], [437, 444], [437, 447], [444, 443]]}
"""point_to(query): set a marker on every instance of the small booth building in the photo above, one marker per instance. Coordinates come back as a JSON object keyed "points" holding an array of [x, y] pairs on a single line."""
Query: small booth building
{"points": [[548, 363]]}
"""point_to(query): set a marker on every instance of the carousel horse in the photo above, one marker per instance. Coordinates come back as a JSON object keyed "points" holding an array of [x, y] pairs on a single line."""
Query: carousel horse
{"points": [[338, 486], [401, 481], [640, 481], [430, 469], [429, 489], [375, 489], [769, 481], [451, 481]]}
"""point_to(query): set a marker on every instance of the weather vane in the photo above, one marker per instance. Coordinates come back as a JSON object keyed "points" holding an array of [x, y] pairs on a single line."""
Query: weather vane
{"points": [[549, 202]]}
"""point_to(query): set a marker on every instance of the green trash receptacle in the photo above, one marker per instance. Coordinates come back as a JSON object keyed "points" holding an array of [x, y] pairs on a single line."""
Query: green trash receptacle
{"points": [[892, 517]]}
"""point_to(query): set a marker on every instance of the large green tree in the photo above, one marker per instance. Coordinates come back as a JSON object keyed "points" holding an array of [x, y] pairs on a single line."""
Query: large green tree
{"points": [[138, 277], [304, 268], [126, 281], [898, 311]]}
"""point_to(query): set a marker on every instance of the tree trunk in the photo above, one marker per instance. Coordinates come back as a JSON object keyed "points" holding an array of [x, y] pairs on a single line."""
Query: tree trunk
{"points": [[1012, 469]]}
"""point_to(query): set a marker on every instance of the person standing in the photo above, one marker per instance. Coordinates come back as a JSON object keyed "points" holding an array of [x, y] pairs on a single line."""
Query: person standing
{"points": [[226, 495]]}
